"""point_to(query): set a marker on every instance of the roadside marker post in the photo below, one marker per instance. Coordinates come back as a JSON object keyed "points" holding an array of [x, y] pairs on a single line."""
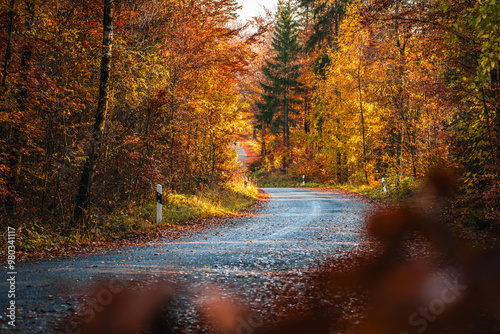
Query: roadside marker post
{"points": [[303, 180], [159, 192], [383, 185]]}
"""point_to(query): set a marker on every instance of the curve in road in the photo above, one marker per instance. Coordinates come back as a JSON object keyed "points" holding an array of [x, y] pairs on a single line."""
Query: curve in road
{"points": [[294, 232]]}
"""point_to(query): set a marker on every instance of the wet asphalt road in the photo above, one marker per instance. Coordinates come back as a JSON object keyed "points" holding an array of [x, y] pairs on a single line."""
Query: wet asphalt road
{"points": [[295, 231]]}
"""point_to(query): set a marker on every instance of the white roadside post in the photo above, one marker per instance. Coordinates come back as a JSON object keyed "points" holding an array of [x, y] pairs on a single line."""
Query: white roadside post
{"points": [[159, 192], [303, 180], [383, 185]]}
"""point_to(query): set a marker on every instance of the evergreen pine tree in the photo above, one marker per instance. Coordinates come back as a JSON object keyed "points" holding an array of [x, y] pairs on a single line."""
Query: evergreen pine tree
{"points": [[327, 16], [281, 76]]}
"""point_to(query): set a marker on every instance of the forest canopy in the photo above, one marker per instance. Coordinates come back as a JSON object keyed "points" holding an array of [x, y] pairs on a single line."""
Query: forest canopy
{"points": [[101, 101], [389, 89]]}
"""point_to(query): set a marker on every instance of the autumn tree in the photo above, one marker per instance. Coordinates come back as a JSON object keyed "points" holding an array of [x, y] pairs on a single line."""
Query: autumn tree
{"points": [[174, 63], [281, 73], [371, 116], [84, 189]]}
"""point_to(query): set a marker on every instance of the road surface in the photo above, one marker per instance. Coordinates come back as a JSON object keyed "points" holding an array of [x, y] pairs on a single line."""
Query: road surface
{"points": [[242, 154], [295, 231]]}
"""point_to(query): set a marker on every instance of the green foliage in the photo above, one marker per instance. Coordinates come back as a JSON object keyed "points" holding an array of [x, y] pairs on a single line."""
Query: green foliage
{"points": [[326, 19], [487, 16], [281, 74], [472, 55]]}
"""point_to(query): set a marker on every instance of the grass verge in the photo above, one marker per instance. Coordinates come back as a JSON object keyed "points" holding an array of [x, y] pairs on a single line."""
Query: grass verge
{"points": [[136, 220], [397, 189]]}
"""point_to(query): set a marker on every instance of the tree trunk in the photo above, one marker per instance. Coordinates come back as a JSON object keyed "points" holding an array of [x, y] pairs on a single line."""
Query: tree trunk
{"points": [[337, 19], [212, 155], [490, 139], [84, 190], [286, 132], [263, 150], [339, 167], [495, 87], [306, 112], [362, 118], [413, 145]]}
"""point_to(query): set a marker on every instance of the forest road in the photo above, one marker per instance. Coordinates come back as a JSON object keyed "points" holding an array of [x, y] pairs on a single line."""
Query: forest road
{"points": [[294, 232]]}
